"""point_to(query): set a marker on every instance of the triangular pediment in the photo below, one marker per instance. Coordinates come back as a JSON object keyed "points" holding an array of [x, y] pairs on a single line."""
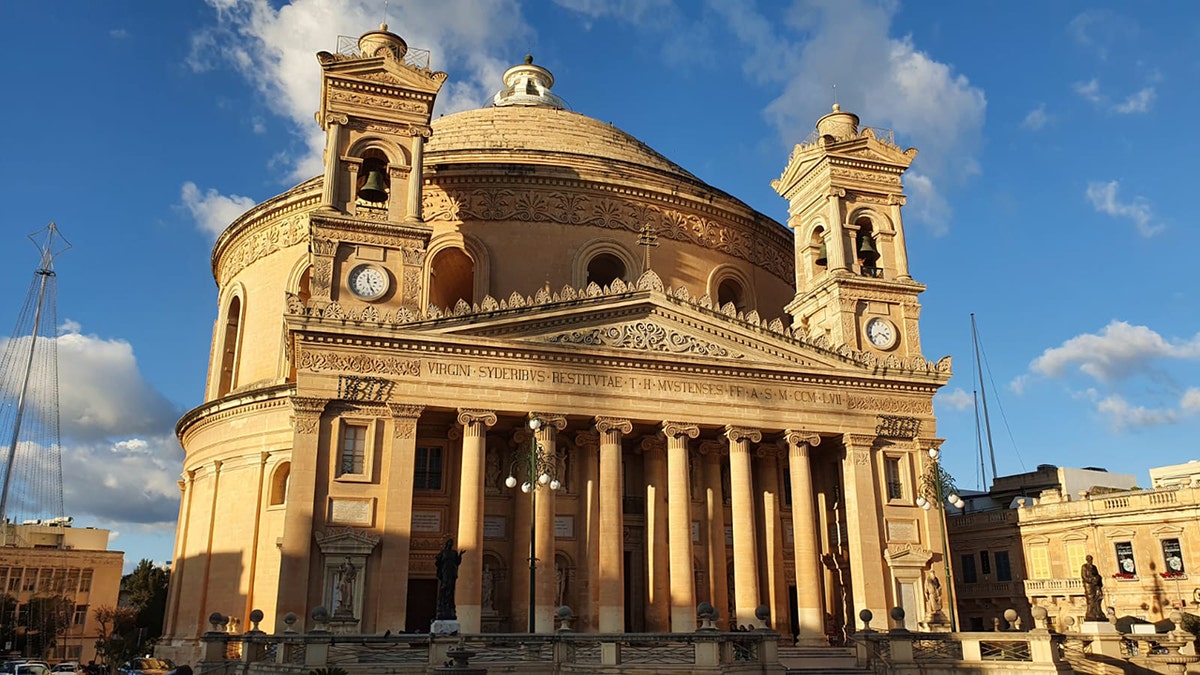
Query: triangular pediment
{"points": [[387, 71]]}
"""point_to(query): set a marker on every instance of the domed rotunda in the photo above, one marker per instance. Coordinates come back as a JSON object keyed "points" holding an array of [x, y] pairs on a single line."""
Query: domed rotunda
{"points": [[522, 329]]}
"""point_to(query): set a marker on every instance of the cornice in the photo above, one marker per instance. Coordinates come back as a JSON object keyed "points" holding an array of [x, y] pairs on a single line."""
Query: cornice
{"points": [[304, 197], [277, 396]]}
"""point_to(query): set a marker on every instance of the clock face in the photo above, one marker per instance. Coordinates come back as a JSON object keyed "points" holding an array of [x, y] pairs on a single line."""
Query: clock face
{"points": [[368, 282], [881, 333]]}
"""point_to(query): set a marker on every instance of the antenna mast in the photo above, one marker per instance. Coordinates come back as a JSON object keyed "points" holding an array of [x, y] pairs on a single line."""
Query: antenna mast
{"points": [[987, 423]]}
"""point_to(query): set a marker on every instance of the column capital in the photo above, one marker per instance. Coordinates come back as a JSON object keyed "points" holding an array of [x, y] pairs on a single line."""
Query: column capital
{"points": [[474, 416], [589, 440], [409, 411], [306, 413], [556, 420], [804, 440], [713, 448], [653, 443], [336, 118], [929, 443], [676, 429], [738, 434], [770, 450], [860, 441], [606, 424]]}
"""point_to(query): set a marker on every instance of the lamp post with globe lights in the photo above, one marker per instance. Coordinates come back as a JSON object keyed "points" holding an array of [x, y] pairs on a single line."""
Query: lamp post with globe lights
{"points": [[539, 469], [937, 490]]}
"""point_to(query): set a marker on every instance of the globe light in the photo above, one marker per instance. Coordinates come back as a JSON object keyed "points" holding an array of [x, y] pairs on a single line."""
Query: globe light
{"points": [[934, 452], [535, 424], [511, 481], [526, 487], [957, 501], [543, 479], [927, 506], [554, 485], [921, 501]]}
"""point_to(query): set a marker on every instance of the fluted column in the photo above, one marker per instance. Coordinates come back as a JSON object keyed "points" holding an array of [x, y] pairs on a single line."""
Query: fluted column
{"points": [[399, 458], [468, 593], [745, 557], [810, 612], [714, 520], [900, 249], [683, 576], [835, 244], [333, 150], [295, 550], [774, 583], [415, 176], [544, 510], [868, 578], [587, 592], [658, 579], [175, 589], [612, 525]]}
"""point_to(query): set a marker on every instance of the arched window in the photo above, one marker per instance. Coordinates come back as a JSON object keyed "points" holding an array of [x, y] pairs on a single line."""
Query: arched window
{"points": [[279, 484], [451, 278], [373, 183], [304, 290], [730, 291], [821, 258], [229, 346], [604, 268]]}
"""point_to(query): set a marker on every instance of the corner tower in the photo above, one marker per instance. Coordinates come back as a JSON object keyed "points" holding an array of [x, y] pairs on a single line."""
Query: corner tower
{"points": [[376, 102], [852, 281]]}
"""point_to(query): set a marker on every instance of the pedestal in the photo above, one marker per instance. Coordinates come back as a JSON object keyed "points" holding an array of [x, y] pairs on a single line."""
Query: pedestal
{"points": [[1097, 628], [343, 625], [444, 627]]}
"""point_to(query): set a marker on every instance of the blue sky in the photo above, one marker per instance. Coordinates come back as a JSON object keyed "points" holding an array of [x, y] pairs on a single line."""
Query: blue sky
{"points": [[1051, 195]]}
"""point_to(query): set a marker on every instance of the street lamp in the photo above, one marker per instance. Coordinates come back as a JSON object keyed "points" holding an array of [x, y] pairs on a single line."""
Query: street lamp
{"points": [[540, 470], [937, 489]]}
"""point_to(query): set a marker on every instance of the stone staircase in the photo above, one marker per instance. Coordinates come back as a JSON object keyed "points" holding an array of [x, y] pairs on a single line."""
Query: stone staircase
{"points": [[820, 661]]}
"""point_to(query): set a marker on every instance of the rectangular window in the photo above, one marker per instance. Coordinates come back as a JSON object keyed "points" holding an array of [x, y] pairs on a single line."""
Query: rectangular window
{"points": [[1077, 552], [1039, 561], [891, 470], [85, 581], [1126, 566], [428, 471], [80, 617], [1003, 570], [968, 569], [1172, 557], [14, 581], [72, 582], [985, 563], [353, 449], [30, 580], [46, 580]]}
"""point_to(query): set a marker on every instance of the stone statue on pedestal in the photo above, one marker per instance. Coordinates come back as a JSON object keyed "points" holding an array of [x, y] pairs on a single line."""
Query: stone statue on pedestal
{"points": [[345, 589], [447, 563], [1093, 591]]}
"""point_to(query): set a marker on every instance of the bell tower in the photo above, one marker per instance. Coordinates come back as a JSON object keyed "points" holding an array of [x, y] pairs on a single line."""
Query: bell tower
{"points": [[844, 196], [376, 103]]}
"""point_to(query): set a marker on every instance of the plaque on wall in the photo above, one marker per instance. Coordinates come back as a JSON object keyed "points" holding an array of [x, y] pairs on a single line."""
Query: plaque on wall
{"points": [[564, 526], [351, 511], [427, 521], [494, 527], [902, 530]]}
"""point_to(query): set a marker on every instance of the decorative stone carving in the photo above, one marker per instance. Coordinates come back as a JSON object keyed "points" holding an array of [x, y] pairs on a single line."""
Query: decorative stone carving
{"points": [[306, 413], [606, 425], [890, 405], [644, 336], [801, 439], [259, 238], [676, 429], [893, 426], [358, 363], [468, 416], [404, 419]]}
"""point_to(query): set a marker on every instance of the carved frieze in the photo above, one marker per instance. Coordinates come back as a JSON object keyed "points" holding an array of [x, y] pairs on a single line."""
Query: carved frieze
{"points": [[644, 336], [358, 363], [889, 405], [384, 102], [306, 413], [253, 245]]}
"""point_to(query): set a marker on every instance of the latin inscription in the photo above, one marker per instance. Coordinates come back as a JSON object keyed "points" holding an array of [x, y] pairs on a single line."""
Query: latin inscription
{"points": [[631, 384]]}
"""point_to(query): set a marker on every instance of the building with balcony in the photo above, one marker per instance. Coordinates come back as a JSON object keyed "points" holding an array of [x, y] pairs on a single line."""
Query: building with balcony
{"points": [[52, 561]]}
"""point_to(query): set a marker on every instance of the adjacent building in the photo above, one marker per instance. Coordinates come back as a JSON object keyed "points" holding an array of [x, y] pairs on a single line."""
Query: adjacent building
{"points": [[45, 560], [702, 404]]}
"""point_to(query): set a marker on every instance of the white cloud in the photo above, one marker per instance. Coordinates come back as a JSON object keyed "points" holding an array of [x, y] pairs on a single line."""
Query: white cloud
{"points": [[1036, 119], [1139, 102], [132, 481], [1190, 401], [1121, 415], [274, 48], [956, 399], [632, 10], [895, 84], [118, 33], [1102, 31], [1103, 197], [1018, 384], [211, 210], [1090, 91], [1116, 353]]}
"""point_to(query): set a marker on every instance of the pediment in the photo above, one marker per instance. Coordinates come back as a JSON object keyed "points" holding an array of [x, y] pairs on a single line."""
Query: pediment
{"points": [[383, 70]]}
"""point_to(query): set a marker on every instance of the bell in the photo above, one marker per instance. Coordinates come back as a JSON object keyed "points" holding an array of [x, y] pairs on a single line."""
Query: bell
{"points": [[822, 256], [374, 189], [866, 249]]}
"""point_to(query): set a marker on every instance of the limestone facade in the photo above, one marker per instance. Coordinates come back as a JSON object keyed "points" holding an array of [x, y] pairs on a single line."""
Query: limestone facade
{"points": [[387, 332]]}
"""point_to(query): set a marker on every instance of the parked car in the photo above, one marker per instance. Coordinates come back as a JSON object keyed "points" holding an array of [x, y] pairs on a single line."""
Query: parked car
{"points": [[146, 666], [25, 668], [68, 667]]}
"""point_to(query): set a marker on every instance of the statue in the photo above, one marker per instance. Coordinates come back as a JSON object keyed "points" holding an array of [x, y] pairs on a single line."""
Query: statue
{"points": [[1093, 591], [345, 588], [488, 594], [933, 595], [447, 563]]}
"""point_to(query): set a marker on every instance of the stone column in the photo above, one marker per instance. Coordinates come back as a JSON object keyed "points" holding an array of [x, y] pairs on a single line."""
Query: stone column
{"points": [[612, 525], [399, 459], [898, 245], [544, 511], [745, 556], [771, 500], [683, 576], [810, 610], [714, 520], [416, 175], [587, 574], [321, 252], [468, 593], [295, 586], [333, 150], [519, 527], [175, 589], [868, 578], [658, 580], [835, 245]]}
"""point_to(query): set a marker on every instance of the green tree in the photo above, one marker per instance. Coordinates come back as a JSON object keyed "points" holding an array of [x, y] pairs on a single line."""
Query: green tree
{"points": [[147, 589], [118, 635], [49, 617]]}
